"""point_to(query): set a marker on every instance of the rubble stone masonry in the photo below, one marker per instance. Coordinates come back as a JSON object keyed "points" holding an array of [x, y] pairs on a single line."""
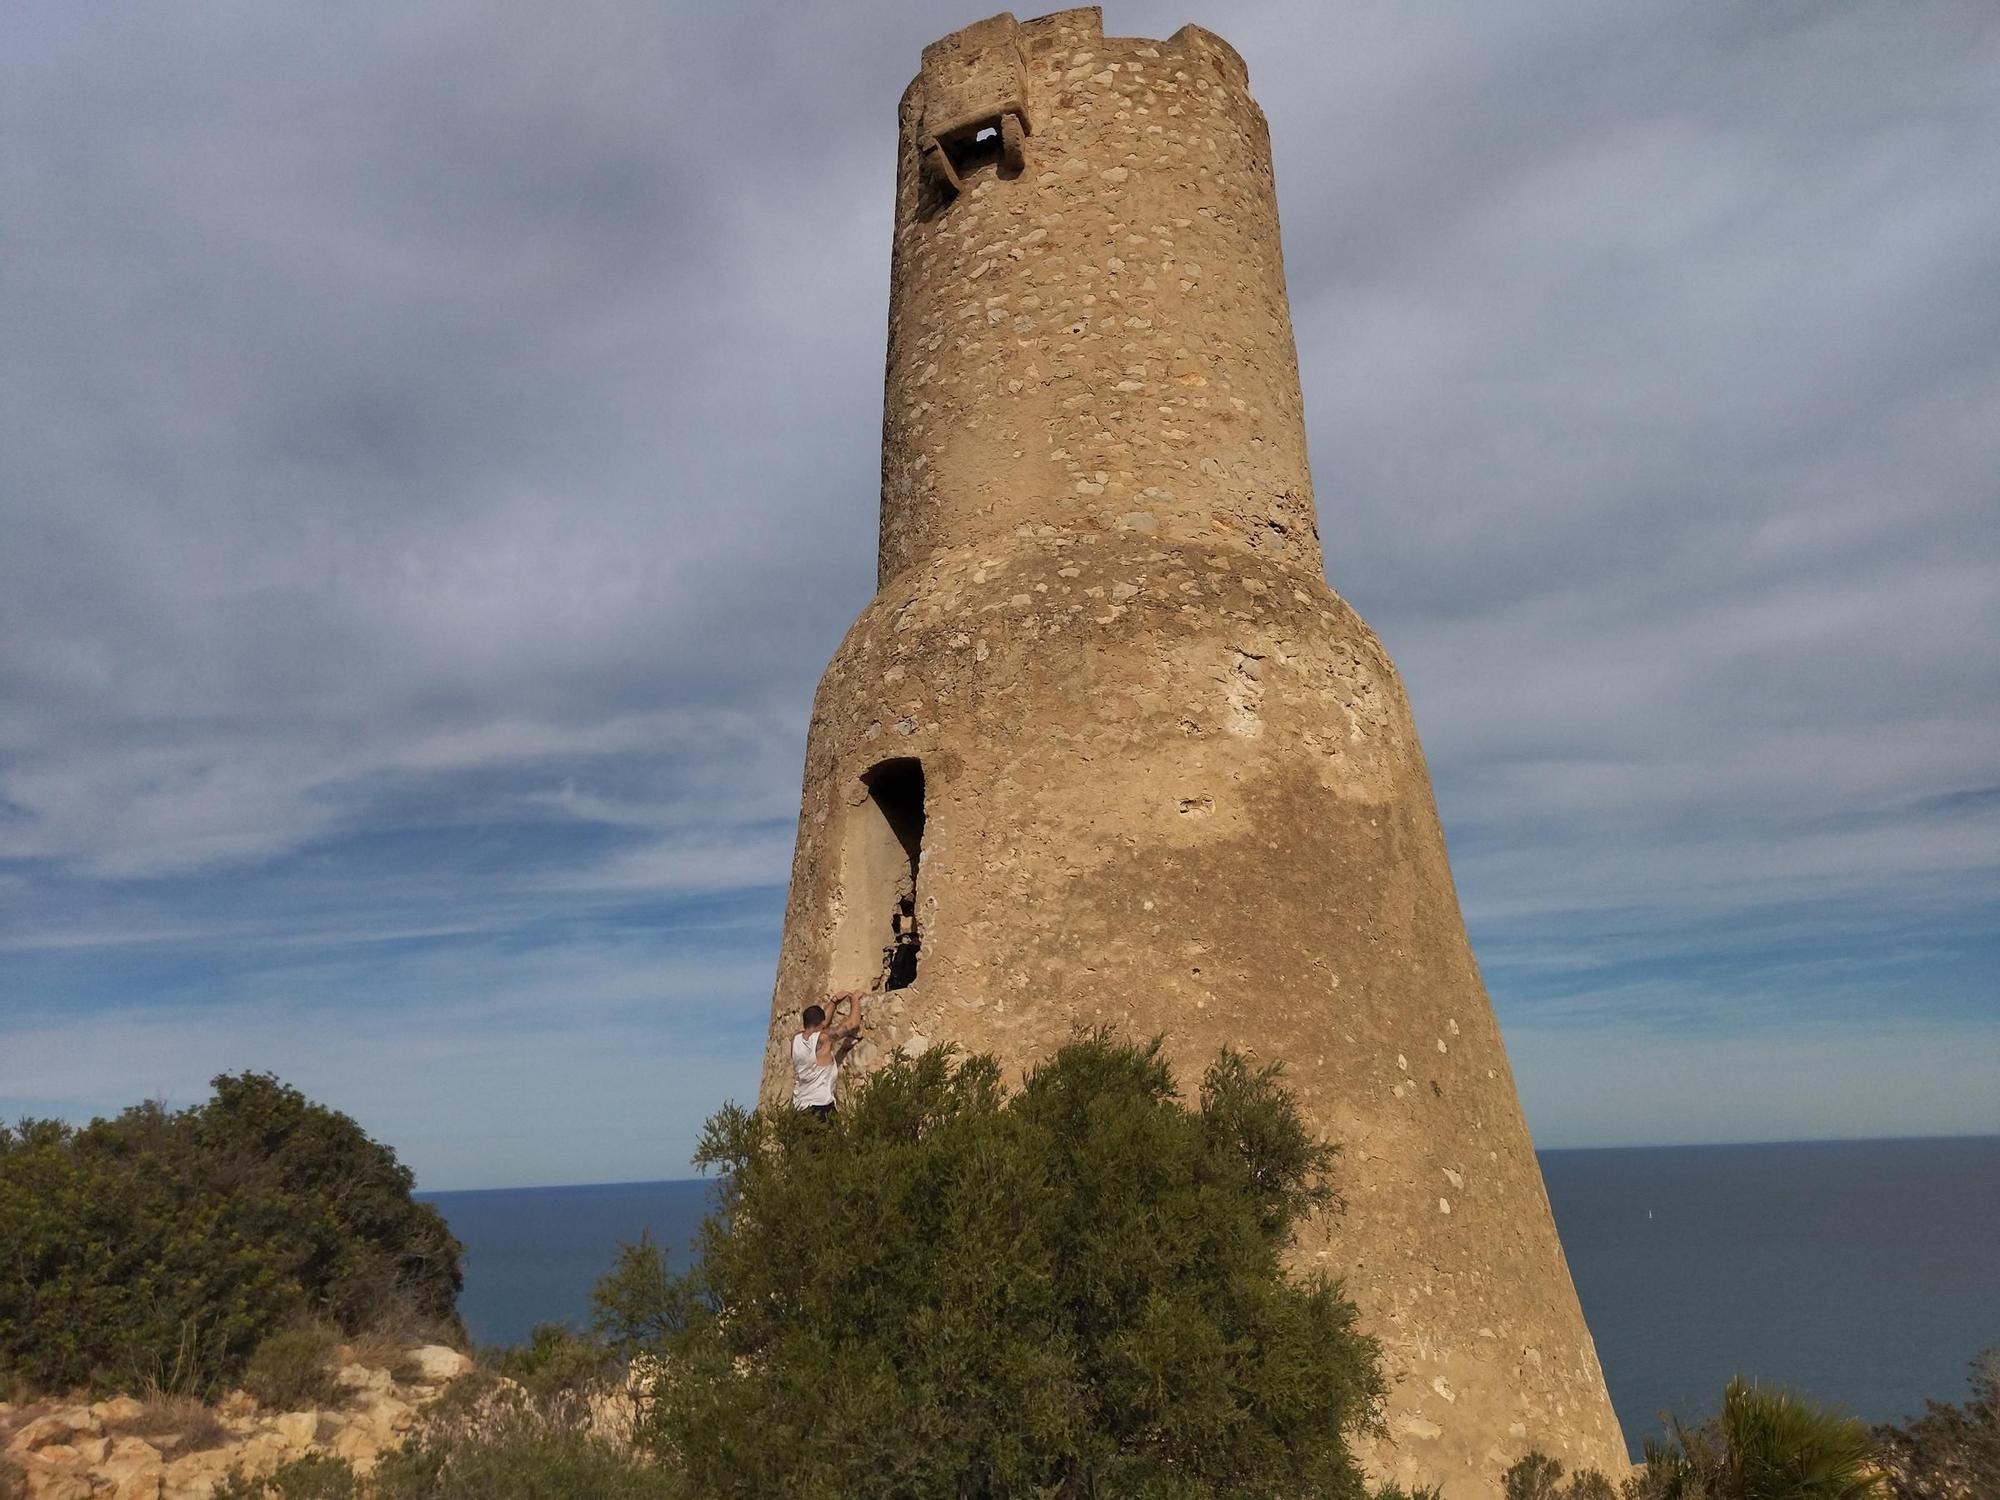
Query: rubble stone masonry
{"points": [[1106, 749]]}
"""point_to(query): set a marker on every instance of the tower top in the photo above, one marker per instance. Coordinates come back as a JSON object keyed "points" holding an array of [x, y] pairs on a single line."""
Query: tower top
{"points": [[1088, 325]]}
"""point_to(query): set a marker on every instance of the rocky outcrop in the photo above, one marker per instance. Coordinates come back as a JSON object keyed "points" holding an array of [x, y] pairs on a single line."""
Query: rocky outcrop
{"points": [[126, 1449]]}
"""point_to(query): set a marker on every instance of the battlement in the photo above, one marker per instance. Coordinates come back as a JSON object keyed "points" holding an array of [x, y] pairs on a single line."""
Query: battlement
{"points": [[969, 104]]}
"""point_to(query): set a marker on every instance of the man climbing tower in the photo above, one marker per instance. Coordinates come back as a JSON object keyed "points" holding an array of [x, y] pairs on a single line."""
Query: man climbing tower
{"points": [[817, 1050]]}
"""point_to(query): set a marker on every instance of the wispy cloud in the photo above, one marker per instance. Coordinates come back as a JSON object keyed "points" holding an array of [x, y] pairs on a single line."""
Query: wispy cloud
{"points": [[441, 453]]}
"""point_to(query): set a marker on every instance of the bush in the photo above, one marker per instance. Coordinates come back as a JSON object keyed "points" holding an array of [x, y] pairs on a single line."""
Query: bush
{"points": [[191, 1424], [317, 1476], [160, 1248], [945, 1290], [294, 1370], [547, 1465], [1766, 1445], [483, 1440], [1538, 1477], [555, 1362], [1950, 1452]]}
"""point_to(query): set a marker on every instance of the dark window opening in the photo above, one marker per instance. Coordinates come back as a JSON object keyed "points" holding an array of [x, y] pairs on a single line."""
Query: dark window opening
{"points": [[952, 156], [972, 148], [879, 939]]}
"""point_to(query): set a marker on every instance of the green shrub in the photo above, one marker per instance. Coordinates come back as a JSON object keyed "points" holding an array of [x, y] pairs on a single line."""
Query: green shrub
{"points": [[484, 1440], [294, 1370], [158, 1249], [1539, 1477], [546, 1465], [317, 1476], [191, 1425], [945, 1290], [555, 1362], [1766, 1445], [1950, 1451]]}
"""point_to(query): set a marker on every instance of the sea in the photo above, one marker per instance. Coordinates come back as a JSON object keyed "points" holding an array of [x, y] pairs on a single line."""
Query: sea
{"points": [[1864, 1273]]}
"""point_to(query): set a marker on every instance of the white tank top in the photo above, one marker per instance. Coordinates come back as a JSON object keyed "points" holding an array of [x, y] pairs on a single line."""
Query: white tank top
{"points": [[812, 1080]]}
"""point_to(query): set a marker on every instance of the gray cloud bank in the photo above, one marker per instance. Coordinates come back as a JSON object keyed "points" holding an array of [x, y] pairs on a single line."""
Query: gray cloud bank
{"points": [[464, 417]]}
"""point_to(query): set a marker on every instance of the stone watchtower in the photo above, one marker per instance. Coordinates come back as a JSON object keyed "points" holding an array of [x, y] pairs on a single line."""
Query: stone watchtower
{"points": [[1106, 749]]}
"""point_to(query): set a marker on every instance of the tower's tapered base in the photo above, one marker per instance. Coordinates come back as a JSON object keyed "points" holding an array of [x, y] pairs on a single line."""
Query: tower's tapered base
{"points": [[1175, 787]]}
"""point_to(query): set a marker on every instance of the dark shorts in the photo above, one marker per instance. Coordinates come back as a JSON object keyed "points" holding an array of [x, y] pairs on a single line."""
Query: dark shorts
{"points": [[824, 1111]]}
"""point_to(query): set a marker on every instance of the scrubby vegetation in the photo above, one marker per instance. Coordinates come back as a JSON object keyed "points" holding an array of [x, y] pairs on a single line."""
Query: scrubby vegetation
{"points": [[945, 1291], [557, 1368], [314, 1477], [1072, 1290], [293, 1370], [159, 1249], [1764, 1445], [950, 1291], [489, 1441], [1539, 1477], [183, 1423], [498, 1437], [1950, 1452]]}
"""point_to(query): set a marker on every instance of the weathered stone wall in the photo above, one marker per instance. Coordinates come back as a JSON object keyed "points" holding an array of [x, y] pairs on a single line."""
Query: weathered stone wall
{"points": [[1103, 338], [1170, 780]]}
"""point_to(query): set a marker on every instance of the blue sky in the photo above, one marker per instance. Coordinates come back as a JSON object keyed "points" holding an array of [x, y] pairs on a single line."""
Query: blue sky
{"points": [[438, 454]]}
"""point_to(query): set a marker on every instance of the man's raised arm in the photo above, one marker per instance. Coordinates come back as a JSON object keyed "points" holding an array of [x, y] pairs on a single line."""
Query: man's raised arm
{"points": [[835, 1038]]}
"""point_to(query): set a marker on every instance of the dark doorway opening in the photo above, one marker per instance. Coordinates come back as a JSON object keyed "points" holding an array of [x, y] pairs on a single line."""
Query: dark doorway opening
{"points": [[879, 941]]}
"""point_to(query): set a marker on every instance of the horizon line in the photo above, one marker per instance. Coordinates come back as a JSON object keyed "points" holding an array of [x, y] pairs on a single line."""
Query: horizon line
{"points": [[1830, 1140]]}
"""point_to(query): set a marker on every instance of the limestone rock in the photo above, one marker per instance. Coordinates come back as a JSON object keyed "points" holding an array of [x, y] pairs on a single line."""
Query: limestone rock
{"points": [[362, 1378], [57, 1428], [438, 1363], [358, 1445], [133, 1469], [127, 1453], [386, 1417], [52, 1481], [262, 1452], [194, 1476]]}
